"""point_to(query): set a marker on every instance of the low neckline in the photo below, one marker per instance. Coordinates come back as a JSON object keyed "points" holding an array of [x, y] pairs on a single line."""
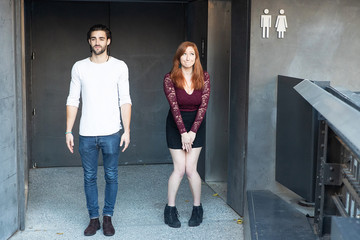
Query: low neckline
{"points": [[189, 93]]}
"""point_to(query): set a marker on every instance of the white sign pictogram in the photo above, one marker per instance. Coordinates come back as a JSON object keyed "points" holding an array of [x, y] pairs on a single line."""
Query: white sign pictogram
{"points": [[265, 23], [281, 24]]}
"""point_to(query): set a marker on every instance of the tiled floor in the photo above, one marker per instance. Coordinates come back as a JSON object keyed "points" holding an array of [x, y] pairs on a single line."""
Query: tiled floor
{"points": [[56, 207]]}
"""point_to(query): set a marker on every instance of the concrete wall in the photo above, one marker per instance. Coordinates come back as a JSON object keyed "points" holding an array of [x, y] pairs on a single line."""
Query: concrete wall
{"points": [[218, 67], [238, 103], [8, 148], [320, 44]]}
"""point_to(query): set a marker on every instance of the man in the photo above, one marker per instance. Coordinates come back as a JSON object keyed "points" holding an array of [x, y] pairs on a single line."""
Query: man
{"points": [[102, 81]]}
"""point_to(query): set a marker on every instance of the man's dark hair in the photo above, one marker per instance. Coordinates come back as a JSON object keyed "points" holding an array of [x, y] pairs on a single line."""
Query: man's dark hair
{"points": [[100, 27]]}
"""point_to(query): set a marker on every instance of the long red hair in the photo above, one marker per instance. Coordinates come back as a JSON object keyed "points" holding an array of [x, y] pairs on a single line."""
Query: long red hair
{"points": [[176, 73]]}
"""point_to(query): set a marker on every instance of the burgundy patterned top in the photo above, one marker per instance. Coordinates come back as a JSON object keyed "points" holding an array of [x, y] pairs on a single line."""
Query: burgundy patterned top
{"points": [[180, 100]]}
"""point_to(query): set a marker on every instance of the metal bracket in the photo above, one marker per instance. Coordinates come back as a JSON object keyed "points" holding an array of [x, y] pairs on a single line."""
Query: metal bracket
{"points": [[332, 174]]}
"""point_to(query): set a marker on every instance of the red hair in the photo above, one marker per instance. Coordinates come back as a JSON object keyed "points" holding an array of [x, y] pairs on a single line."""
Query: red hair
{"points": [[176, 73]]}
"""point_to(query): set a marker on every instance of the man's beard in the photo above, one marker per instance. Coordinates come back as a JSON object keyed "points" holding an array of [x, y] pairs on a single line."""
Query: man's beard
{"points": [[99, 52]]}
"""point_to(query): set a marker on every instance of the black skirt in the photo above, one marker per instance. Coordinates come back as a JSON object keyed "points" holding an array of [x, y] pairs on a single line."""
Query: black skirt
{"points": [[173, 137]]}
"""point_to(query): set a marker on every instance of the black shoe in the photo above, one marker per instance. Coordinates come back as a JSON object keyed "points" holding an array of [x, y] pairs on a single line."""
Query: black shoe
{"points": [[171, 217], [196, 216], [94, 225], [108, 228]]}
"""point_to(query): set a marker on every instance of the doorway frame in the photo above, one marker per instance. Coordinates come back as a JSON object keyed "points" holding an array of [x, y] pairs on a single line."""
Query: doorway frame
{"points": [[21, 109], [236, 159]]}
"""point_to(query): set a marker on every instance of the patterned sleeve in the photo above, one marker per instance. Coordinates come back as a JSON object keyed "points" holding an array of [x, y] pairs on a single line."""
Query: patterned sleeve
{"points": [[169, 90], [204, 103]]}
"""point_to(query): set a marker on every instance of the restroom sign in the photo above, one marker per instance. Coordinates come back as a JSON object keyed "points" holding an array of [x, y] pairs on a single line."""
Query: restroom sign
{"points": [[280, 24]]}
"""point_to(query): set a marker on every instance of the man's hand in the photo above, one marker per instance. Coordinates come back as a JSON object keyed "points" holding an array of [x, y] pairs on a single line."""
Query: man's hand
{"points": [[126, 118], [70, 142], [71, 112], [125, 138]]}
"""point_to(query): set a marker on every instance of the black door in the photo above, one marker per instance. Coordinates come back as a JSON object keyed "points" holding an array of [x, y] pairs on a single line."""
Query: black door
{"points": [[145, 36]]}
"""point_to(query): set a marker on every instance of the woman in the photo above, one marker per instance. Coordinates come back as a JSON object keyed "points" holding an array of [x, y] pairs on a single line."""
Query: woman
{"points": [[187, 88]]}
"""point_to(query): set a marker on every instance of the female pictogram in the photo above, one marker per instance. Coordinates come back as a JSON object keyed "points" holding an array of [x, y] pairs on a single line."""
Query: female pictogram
{"points": [[281, 24]]}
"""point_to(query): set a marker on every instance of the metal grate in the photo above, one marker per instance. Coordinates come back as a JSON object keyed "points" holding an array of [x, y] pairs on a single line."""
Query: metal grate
{"points": [[338, 180], [351, 182]]}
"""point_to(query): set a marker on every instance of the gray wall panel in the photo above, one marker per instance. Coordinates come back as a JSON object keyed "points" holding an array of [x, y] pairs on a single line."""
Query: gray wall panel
{"points": [[20, 90], [8, 165], [218, 67], [8, 206], [238, 108], [8, 174], [7, 120]]}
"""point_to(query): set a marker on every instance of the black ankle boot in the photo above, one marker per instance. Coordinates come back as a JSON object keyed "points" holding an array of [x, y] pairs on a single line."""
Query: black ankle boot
{"points": [[171, 217], [196, 216]]}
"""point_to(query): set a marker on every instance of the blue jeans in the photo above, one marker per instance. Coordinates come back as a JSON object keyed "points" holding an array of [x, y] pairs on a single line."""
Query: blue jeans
{"points": [[89, 148]]}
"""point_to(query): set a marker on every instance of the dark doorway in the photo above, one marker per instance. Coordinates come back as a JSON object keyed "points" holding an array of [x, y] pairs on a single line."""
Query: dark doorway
{"points": [[145, 36]]}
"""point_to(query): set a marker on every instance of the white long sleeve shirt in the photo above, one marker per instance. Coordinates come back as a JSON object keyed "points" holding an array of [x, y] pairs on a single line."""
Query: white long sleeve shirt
{"points": [[103, 89]]}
